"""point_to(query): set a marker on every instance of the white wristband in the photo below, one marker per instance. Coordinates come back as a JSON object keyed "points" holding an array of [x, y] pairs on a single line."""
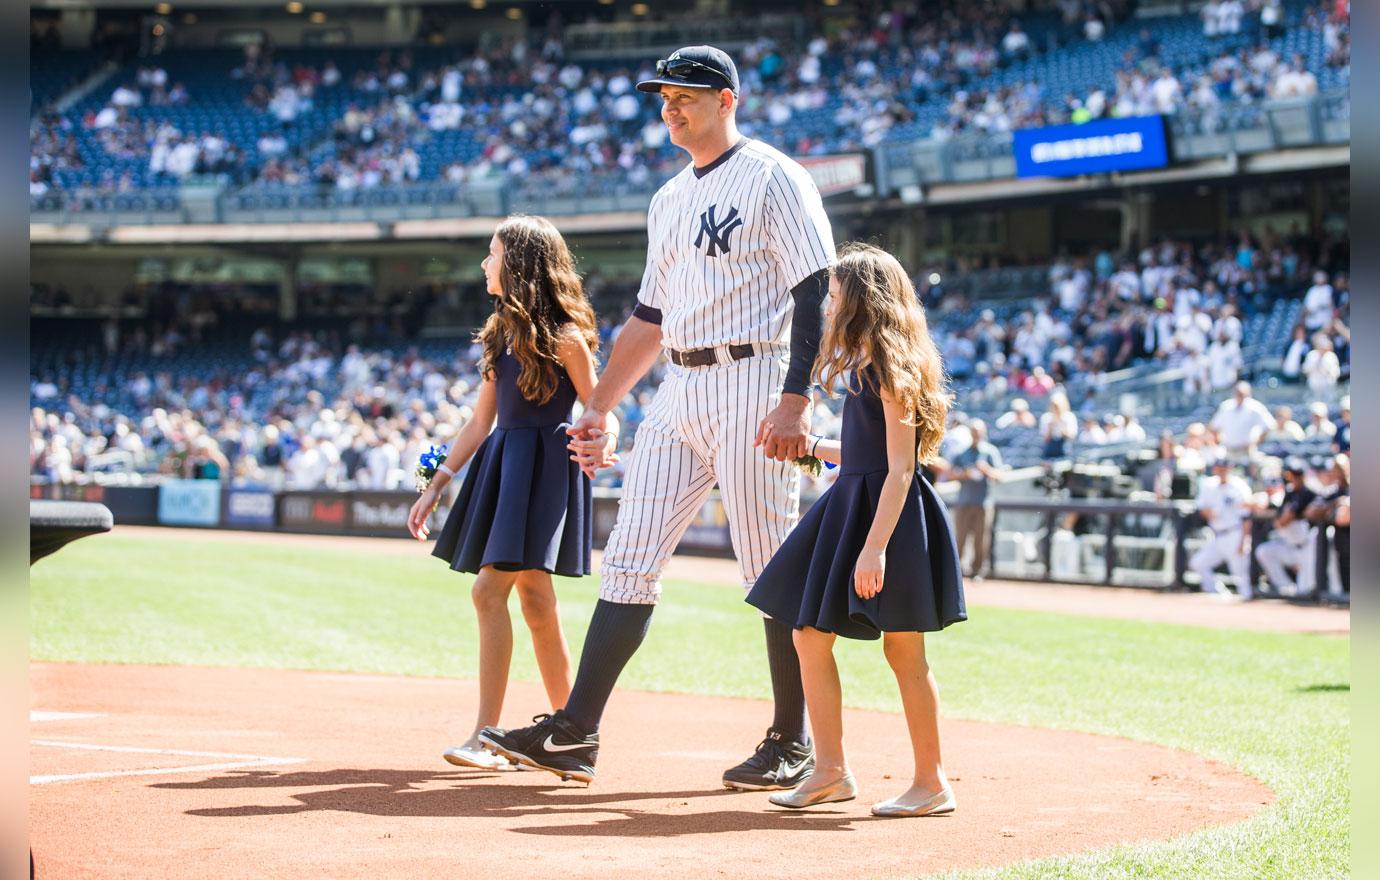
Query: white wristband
{"points": [[445, 470]]}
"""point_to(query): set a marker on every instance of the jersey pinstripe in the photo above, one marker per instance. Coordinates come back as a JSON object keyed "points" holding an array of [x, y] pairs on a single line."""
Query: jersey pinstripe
{"points": [[725, 249]]}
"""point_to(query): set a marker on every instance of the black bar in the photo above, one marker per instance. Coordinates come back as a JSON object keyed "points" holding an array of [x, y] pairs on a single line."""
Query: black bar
{"points": [[1110, 553], [1180, 555], [1047, 543]]}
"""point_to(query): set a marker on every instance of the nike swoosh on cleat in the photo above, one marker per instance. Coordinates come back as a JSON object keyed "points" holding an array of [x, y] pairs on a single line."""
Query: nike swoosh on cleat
{"points": [[551, 746]]}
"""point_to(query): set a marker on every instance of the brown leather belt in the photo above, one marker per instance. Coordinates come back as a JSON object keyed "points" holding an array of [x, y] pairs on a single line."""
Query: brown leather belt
{"points": [[708, 357]]}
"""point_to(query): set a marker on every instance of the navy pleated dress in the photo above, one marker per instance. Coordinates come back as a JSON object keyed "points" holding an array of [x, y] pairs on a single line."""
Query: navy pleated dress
{"points": [[809, 582], [524, 504]]}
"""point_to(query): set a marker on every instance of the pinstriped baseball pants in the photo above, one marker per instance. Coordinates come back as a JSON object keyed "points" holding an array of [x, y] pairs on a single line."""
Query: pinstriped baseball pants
{"points": [[698, 431]]}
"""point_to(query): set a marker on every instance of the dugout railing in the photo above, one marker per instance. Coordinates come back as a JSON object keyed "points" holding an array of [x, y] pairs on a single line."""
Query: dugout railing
{"points": [[1124, 544], [1067, 541]]}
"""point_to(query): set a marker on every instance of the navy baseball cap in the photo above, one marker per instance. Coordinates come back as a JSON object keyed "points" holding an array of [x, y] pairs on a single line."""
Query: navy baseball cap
{"points": [[696, 67]]}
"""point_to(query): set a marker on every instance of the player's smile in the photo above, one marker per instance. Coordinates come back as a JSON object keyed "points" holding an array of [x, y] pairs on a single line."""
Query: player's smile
{"points": [[678, 105]]}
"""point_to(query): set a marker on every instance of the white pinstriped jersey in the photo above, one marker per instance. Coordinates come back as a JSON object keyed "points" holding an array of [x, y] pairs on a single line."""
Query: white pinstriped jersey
{"points": [[724, 249]]}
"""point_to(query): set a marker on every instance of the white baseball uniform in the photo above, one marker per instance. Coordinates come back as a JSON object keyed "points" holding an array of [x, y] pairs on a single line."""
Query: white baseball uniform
{"points": [[1226, 500], [725, 246]]}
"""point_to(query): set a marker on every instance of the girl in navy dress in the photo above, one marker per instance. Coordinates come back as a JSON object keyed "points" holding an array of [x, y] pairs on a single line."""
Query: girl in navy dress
{"points": [[524, 511], [875, 556]]}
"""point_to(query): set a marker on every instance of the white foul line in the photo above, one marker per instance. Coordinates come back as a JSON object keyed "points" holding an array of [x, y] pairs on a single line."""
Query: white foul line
{"points": [[239, 762]]}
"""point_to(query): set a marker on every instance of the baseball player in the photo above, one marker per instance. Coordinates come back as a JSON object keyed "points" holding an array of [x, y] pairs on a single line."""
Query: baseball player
{"points": [[738, 256], [1225, 503], [1291, 545]]}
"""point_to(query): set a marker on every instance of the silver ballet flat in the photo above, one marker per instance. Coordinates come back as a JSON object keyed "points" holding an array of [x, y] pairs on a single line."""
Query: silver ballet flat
{"points": [[844, 789], [943, 802], [473, 756]]}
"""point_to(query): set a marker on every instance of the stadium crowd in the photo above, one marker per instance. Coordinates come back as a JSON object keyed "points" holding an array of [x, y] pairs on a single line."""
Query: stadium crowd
{"points": [[1146, 85], [1174, 303], [518, 105]]}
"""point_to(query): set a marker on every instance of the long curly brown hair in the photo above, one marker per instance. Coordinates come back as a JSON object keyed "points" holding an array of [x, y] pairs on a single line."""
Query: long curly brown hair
{"points": [[542, 296], [878, 322]]}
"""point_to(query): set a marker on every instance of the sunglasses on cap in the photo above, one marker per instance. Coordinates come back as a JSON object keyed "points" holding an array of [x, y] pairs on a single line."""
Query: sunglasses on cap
{"points": [[683, 68]]}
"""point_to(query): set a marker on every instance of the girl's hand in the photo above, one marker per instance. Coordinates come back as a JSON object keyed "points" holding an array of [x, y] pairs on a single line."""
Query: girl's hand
{"points": [[421, 511], [595, 451], [868, 572]]}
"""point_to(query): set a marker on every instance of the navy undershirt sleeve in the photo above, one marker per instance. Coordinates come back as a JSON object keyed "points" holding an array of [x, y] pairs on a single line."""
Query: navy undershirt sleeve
{"points": [[647, 313], [807, 325]]}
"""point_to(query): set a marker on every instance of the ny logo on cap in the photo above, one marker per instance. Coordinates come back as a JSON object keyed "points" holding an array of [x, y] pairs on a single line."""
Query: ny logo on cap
{"points": [[718, 232]]}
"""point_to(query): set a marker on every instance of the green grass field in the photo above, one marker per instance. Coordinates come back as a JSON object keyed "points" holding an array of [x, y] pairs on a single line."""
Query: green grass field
{"points": [[1274, 705]]}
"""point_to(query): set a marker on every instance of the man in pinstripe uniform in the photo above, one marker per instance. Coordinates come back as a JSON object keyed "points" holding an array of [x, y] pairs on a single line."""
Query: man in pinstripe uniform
{"points": [[737, 266]]}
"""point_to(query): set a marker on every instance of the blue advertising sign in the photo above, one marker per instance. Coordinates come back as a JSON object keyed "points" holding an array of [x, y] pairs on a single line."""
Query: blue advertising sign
{"points": [[189, 503], [1129, 144], [250, 507]]}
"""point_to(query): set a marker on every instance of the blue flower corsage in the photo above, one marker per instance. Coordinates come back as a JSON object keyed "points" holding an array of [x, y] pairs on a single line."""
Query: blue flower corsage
{"points": [[426, 468]]}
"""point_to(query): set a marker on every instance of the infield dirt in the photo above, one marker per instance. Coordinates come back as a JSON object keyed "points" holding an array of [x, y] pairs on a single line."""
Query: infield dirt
{"points": [[371, 796]]}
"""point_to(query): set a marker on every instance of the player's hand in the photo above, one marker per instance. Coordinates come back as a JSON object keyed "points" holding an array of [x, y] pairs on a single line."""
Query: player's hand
{"points": [[421, 511], [869, 572], [589, 420], [598, 451], [784, 434]]}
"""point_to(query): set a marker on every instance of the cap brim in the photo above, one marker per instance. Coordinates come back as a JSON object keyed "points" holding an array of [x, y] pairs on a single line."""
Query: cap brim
{"points": [[654, 85]]}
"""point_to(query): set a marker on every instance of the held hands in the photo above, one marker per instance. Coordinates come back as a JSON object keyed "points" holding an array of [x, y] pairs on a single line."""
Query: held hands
{"points": [[784, 434], [591, 447], [421, 511], [868, 572]]}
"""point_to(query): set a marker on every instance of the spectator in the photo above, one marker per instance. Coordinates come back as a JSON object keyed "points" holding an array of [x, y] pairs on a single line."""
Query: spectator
{"points": [[1317, 303], [1158, 475], [1320, 427], [1294, 353], [1242, 421], [1341, 440], [1016, 43], [1058, 428], [974, 468], [1224, 361], [1018, 416], [1285, 429], [1212, 18], [1272, 18], [1127, 429], [1321, 366], [206, 461], [1092, 433], [1168, 93]]}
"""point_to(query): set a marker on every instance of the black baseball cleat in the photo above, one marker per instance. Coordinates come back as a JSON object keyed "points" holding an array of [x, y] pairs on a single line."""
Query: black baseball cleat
{"points": [[777, 763], [554, 743]]}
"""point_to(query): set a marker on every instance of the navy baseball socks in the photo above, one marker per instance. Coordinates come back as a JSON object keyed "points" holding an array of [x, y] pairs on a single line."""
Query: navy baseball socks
{"points": [[785, 757], [566, 742]]}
